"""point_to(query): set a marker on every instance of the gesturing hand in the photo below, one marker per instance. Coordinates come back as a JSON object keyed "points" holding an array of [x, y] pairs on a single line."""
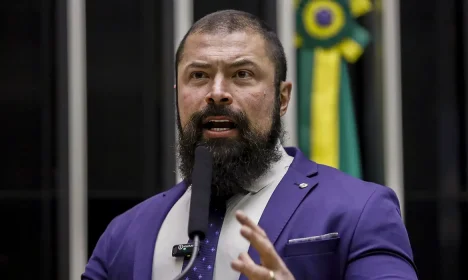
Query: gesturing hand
{"points": [[272, 266]]}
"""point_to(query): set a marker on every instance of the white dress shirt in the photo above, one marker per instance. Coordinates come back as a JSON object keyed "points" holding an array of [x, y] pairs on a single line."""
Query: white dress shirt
{"points": [[231, 243]]}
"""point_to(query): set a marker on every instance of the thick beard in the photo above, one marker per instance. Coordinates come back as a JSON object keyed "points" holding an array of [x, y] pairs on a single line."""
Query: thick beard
{"points": [[237, 162]]}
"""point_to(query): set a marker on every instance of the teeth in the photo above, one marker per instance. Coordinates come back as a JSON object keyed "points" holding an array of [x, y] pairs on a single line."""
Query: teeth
{"points": [[219, 129], [220, 121]]}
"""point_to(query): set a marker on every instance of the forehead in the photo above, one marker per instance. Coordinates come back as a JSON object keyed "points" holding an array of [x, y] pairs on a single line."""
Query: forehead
{"points": [[223, 47]]}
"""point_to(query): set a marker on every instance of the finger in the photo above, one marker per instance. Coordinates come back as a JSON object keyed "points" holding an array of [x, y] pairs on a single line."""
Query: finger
{"points": [[263, 246], [242, 261], [245, 265], [246, 221], [244, 257]]}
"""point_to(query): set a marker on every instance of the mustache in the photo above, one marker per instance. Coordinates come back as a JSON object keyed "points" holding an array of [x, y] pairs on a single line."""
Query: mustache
{"points": [[214, 110]]}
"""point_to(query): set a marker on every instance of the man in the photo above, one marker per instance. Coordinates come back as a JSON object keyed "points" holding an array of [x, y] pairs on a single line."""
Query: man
{"points": [[275, 214]]}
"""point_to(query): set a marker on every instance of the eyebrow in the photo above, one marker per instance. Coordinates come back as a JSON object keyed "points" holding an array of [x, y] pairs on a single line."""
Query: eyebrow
{"points": [[242, 62], [199, 64], [238, 63]]}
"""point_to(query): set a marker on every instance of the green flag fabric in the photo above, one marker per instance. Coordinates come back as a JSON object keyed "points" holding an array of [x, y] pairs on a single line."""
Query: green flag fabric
{"points": [[328, 38]]}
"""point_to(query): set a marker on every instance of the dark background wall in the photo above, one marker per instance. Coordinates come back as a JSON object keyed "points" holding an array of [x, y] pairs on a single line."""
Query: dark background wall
{"points": [[131, 117], [434, 75], [28, 205], [131, 132]]}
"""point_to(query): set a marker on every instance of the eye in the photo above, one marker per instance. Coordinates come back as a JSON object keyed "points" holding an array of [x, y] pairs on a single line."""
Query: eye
{"points": [[198, 75], [242, 74]]}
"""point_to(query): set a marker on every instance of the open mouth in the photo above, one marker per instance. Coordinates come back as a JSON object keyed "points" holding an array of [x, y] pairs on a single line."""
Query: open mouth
{"points": [[219, 125]]}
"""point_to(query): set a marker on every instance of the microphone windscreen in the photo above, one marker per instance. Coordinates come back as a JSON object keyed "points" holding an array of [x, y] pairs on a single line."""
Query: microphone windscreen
{"points": [[201, 193]]}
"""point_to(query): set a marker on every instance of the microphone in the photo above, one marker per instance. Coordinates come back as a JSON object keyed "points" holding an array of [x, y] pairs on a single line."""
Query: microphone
{"points": [[201, 193], [199, 202]]}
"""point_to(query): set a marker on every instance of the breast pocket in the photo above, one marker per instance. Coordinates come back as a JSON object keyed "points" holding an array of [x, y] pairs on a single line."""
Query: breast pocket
{"points": [[313, 259]]}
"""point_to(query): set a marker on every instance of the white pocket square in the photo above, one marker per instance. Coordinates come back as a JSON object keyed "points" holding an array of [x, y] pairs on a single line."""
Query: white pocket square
{"points": [[330, 235]]}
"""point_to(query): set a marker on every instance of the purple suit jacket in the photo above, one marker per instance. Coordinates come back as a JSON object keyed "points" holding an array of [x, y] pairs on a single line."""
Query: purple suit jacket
{"points": [[372, 243]]}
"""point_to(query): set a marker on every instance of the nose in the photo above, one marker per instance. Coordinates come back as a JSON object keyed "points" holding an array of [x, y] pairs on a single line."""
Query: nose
{"points": [[219, 95], [221, 98]]}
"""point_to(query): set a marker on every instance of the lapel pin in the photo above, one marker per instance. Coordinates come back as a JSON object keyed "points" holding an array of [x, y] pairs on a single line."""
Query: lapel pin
{"points": [[303, 185]]}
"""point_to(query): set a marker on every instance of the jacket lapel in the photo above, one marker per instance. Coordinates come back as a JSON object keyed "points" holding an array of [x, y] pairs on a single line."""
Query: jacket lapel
{"points": [[151, 222], [287, 196]]}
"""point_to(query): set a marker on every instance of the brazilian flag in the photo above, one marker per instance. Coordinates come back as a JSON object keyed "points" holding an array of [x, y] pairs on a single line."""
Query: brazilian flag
{"points": [[328, 37]]}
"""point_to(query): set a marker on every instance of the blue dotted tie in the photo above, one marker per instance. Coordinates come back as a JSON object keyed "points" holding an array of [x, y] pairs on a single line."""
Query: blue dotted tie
{"points": [[204, 264]]}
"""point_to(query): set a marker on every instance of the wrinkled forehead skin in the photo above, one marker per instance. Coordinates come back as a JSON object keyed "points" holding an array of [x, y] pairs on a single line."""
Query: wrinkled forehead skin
{"points": [[222, 49]]}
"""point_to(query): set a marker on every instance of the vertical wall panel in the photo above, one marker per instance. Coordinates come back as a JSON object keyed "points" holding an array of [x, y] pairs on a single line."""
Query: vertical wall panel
{"points": [[433, 94], [419, 116], [48, 97], [149, 97], [367, 90], [286, 29], [130, 106], [448, 138], [463, 17], [116, 111], [183, 20], [27, 181], [62, 148], [167, 95], [77, 129], [392, 121]]}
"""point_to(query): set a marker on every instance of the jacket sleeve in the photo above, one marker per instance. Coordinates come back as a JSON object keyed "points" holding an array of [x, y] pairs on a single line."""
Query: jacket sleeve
{"points": [[98, 263], [380, 247]]}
